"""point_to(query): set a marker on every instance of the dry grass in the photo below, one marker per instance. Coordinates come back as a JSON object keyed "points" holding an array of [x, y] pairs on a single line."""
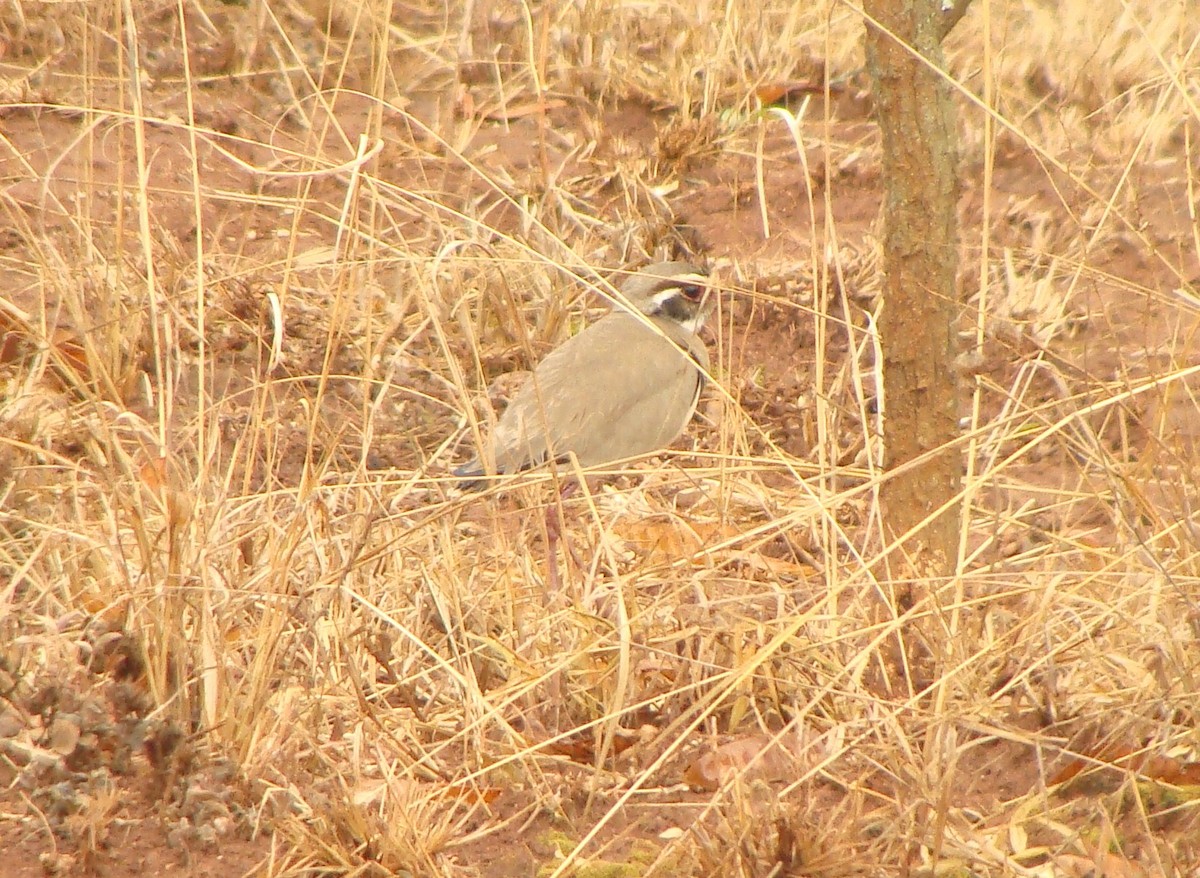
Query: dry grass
{"points": [[258, 292]]}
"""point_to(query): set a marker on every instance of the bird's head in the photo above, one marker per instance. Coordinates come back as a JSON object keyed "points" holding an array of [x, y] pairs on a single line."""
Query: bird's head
{"points": [[675, 291]]}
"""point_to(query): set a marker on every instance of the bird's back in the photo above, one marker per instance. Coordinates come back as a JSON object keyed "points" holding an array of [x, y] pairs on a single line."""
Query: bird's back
{"points": [[618, 389]]}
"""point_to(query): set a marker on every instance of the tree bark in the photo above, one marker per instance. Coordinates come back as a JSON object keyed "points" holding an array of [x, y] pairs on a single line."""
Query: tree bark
{"points": [[920, 256]]}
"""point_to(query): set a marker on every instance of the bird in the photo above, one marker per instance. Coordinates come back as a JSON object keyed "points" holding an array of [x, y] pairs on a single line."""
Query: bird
{"points": [[623, 387]]}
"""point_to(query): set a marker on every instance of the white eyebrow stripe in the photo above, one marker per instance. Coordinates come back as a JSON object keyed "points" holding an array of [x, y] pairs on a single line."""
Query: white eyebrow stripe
{"points": [[684, 279], [656, 301], [677, 283]]}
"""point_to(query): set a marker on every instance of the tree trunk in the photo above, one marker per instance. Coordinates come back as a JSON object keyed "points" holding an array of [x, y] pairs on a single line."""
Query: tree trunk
{"points": [[918, 325]]}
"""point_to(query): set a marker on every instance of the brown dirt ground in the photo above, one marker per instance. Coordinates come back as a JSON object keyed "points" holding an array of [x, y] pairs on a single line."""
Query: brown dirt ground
{"points": [[153, 828]]}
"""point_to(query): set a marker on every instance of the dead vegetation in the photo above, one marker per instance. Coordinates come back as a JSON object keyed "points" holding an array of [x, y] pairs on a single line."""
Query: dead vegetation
{"points": [[257, 294]]}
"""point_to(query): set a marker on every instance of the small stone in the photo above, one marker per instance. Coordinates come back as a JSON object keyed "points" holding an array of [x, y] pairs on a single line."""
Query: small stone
{"points": [[11, 724]]}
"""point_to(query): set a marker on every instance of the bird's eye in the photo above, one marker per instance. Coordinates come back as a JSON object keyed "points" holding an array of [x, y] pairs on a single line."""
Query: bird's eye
{"points": [[692, 292]]}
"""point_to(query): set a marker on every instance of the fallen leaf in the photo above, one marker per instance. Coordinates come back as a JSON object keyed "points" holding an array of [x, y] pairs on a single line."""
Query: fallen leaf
{"points": [[778, 92], [512, 112], [19, 337], [581, 748], [472, 795], [669, 539], [757, 757], [1124, 757], [1105, 864]]}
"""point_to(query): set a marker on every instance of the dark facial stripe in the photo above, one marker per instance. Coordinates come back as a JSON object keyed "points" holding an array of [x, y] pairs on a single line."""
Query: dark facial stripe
{"points": [[677, 299], [677, 308]]}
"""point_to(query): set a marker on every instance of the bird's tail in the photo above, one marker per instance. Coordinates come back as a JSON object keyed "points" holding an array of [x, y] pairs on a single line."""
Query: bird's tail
{"points": [[470, 475]]}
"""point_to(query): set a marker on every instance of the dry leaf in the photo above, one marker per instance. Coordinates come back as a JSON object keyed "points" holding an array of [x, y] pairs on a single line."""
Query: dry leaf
{"points": [[778, 92], [757, 757], [153, 473], [512, 112], [671, 539], [581, 748], [370, 792], [472, 795], [1106, 864], [1124, 757], [18, 335]]}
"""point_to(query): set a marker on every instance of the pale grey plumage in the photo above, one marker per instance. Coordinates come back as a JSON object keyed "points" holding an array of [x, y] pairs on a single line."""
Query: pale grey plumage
{"points": [[619, 388]]}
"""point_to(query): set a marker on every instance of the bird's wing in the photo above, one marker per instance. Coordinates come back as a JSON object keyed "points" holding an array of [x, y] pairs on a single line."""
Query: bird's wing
{"points": [[615, 390]]}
